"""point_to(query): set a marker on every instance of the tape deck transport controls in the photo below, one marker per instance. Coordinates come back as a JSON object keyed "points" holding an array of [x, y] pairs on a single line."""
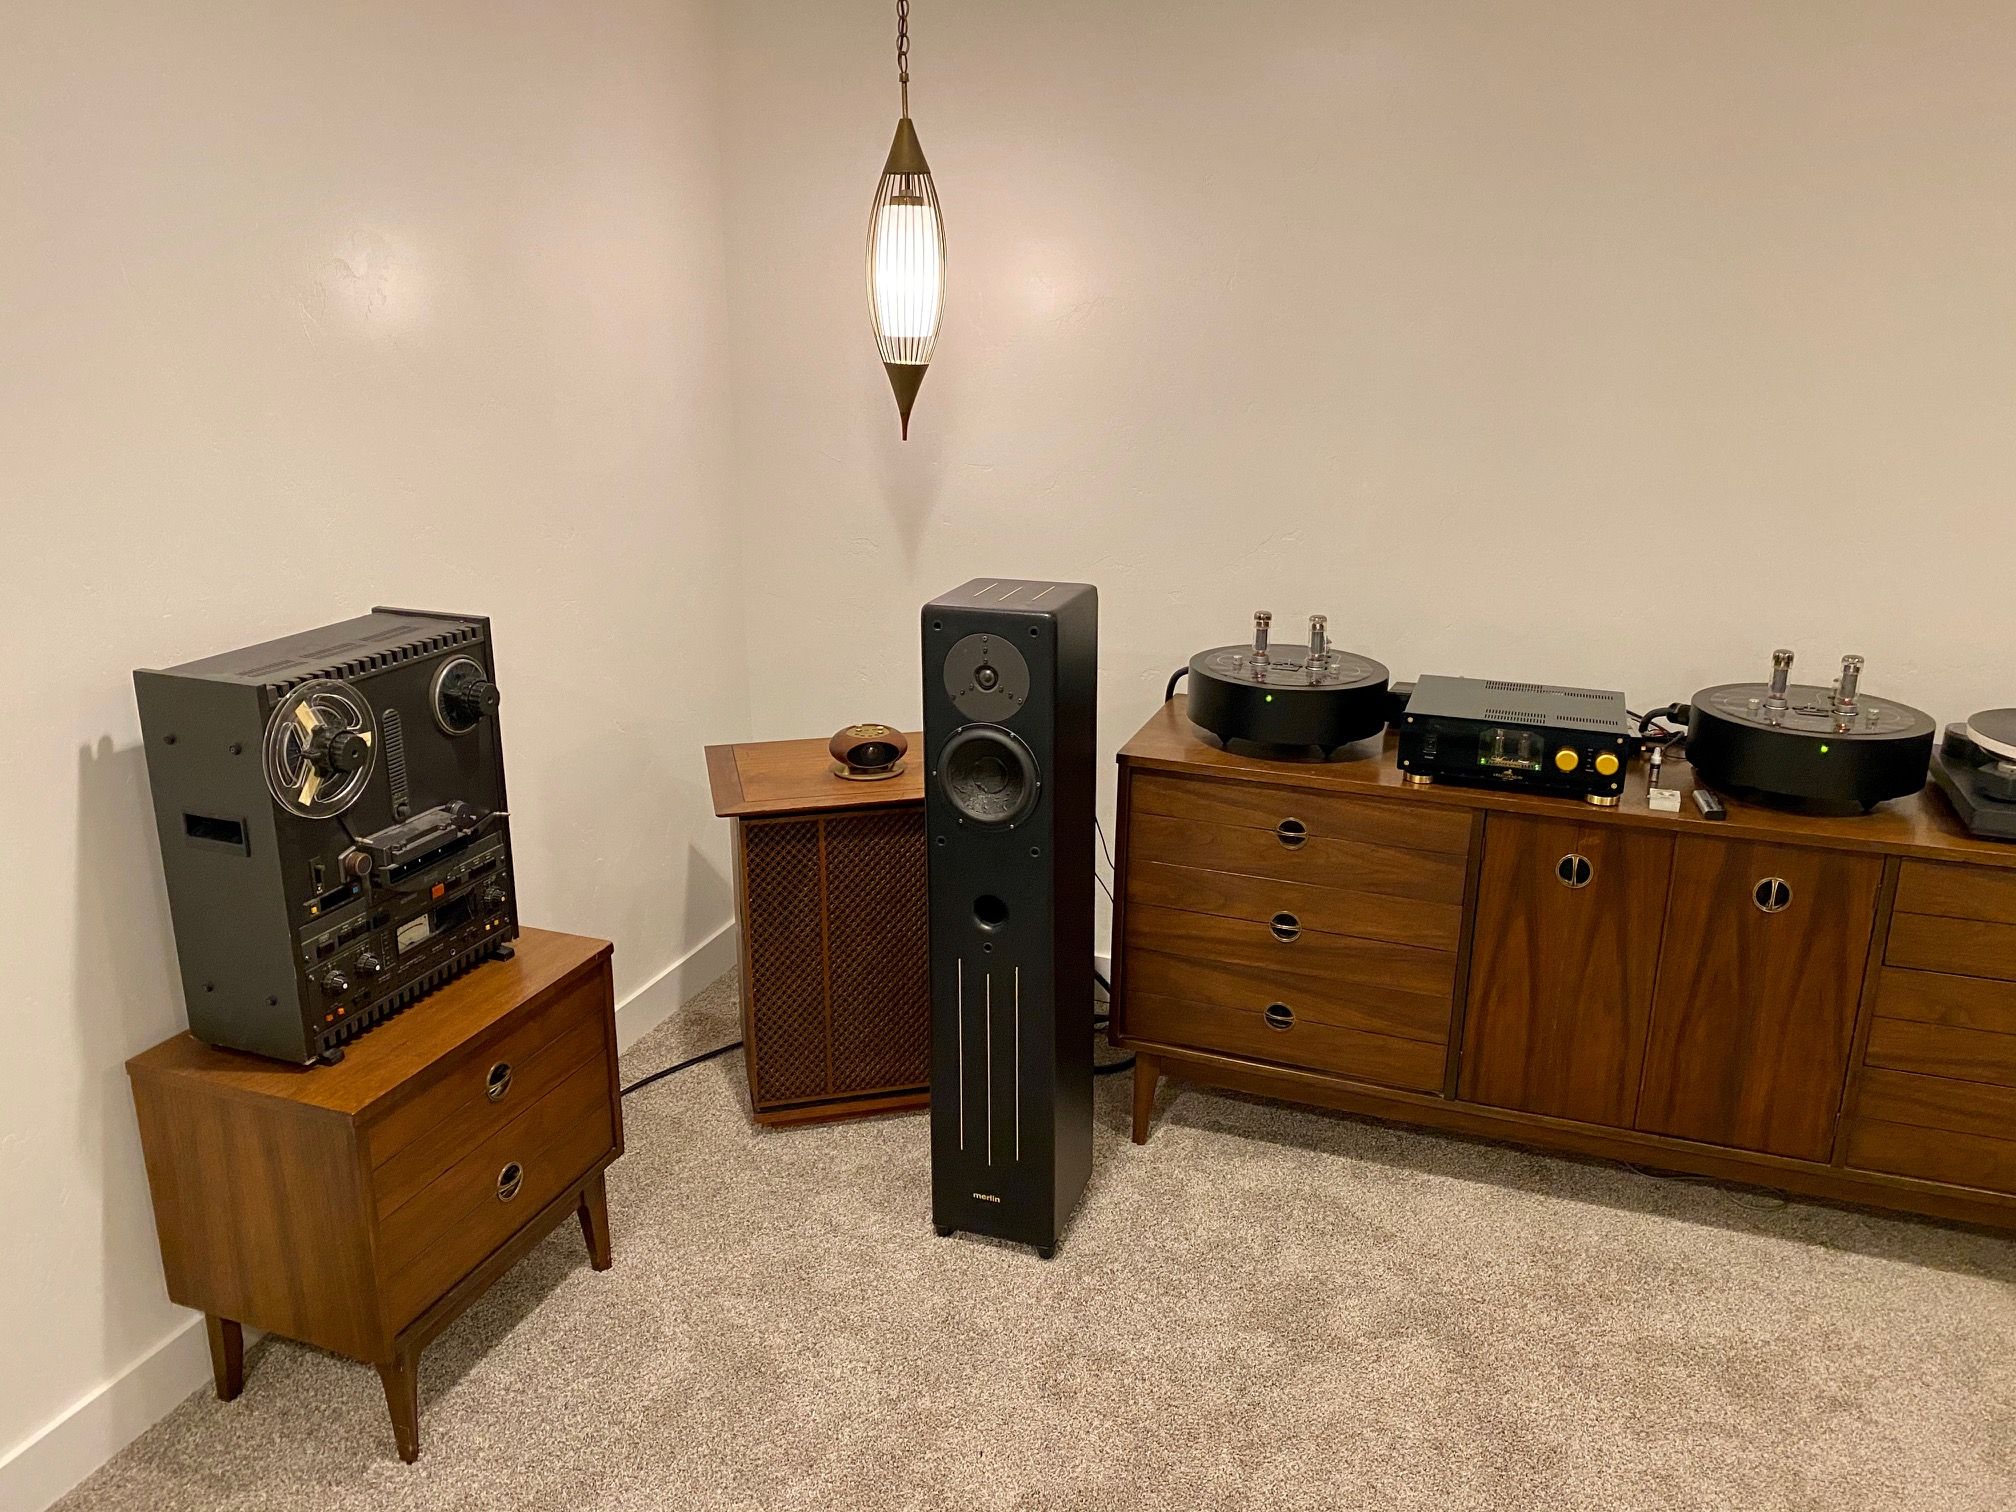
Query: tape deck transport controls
{"points": [[333, 826]]}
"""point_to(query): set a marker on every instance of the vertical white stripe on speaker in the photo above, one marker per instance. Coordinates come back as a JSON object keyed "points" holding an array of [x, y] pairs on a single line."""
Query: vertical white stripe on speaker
{"points": [[959, 998], [1018, 1064], [990, 1067]]}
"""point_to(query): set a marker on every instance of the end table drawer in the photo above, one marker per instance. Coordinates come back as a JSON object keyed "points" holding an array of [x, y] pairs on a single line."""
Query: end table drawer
{"points": [[483, 1088], [484, 1095], [474, 1206]]}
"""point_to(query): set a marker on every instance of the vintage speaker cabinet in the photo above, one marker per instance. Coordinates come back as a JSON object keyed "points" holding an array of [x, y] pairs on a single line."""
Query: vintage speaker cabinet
{"points": [[830, 897], [1822, 1005]]}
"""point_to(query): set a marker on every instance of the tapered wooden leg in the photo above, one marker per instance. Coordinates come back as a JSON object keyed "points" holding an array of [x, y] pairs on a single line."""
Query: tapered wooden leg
{"points": [[227, 1356], [1147, 1077], [594, 1216], [401, 1375]]}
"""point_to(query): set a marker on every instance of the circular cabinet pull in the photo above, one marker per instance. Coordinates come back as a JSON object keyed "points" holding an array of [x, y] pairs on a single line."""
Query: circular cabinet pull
{"points": [[1279, 1016], [1574, 870], [1772, 894], [509, 1180], [1291, 832], [1285, 925], [498, 1082]]}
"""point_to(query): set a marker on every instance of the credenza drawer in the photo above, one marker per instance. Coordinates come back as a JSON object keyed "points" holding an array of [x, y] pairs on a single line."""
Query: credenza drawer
{"points": [[1295, 905], [1263, 948], [1942, 1050], [1957, 892], [1968, 947], [1931, 1154], [1367, 1006], [1382, 870], [1258, 805], [1929, 997], [1288, 1038], [478, 1202]]}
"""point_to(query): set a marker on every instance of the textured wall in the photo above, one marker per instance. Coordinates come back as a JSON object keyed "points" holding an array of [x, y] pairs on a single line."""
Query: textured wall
{"points": [[306, 308], [1611, 344]]}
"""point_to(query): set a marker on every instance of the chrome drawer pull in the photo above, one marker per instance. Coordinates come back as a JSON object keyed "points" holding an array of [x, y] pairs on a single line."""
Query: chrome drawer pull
{"points": [[1574, 870], [1772, 894], [1285, 925], [509, 1180], [498, 1082], [1279, 1016], [1291, 832]]}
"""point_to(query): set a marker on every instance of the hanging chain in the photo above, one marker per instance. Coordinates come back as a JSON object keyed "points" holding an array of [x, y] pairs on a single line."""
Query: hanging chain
{"points": [[903, 50]]}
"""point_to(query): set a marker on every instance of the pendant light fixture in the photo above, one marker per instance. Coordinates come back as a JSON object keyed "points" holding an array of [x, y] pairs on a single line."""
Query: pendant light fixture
{"points": [[906, 250]]}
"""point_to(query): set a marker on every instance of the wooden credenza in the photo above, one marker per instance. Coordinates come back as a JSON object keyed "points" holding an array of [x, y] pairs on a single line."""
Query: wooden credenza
{"points": [[361, 1207], [1822, 1005]]}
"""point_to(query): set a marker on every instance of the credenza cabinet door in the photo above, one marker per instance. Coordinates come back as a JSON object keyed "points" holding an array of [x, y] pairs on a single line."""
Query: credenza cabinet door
{"points": [[1563, 963], [1759, 977]]}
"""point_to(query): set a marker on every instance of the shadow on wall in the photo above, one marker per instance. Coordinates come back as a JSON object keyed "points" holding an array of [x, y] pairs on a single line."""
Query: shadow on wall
{"points": [[710, 898], [128, 996], [908, 490]]}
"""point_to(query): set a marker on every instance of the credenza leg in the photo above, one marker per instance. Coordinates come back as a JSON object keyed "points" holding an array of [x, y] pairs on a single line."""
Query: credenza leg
{"points": [[594, 1216], [227, 1355], [1147, 1077], [401, 1375]]}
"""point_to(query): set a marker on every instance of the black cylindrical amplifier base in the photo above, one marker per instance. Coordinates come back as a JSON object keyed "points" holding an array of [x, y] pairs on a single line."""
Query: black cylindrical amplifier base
{"points": [[1291, 711], [1844, 769]]}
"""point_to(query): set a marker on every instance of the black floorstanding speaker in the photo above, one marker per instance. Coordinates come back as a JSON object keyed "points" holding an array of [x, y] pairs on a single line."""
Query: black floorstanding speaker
{"points": [[1011, 674]]}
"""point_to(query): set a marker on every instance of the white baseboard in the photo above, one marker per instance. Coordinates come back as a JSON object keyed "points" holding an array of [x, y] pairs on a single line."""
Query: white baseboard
{"points": [[660, 998], [47, 1464]]}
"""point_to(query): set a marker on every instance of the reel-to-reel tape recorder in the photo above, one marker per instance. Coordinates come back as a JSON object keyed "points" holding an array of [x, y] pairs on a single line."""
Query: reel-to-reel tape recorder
{"points": [[333, 826]]}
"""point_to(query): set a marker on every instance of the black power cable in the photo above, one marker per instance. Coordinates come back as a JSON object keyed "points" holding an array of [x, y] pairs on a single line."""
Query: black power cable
{"points": [[1100, 1021], [1174, 678], [646, 1081]]}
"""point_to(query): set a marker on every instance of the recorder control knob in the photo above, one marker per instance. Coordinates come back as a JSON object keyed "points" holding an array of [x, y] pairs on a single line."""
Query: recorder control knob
{"points": [[368, 964], [335, 981], [471, 700], [356, 864], [493, 895]]}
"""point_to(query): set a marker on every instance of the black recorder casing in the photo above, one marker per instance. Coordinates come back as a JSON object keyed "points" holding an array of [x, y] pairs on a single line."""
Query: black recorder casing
{"points": [[333, 826], [1010, 682]]}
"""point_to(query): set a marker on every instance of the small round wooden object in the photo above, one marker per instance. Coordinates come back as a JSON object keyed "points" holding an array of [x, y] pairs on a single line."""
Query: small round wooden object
{"points": [[868, 752]]}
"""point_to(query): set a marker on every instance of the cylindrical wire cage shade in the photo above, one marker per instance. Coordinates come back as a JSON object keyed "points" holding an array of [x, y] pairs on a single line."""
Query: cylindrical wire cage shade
{"points": [[906, 267]]}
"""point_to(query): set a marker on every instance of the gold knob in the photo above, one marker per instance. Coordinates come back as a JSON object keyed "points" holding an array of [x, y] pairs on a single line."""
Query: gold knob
{"points": [[1567, 759], [1607, 763]]}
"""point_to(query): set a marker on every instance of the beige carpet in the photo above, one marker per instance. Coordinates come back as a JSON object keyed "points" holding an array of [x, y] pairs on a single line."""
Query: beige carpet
{"points": [[1263, 1307]]}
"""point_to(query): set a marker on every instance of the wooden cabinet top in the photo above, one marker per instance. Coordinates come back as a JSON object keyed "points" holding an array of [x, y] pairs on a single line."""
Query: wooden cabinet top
{"points": [[394, 1054], [1922, 825], [797, 777]]}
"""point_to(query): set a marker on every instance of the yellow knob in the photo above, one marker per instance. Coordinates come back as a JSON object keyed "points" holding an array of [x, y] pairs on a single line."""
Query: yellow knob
{"points": [[1567, 758], [1607, 763]]}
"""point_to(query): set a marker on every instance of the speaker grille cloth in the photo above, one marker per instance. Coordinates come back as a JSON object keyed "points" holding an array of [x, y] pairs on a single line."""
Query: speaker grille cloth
{"points": [[879, 927], [787, 978]]}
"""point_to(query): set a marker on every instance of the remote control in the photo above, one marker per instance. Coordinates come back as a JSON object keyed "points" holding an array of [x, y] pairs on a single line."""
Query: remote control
{"points": [[1710, 806]]}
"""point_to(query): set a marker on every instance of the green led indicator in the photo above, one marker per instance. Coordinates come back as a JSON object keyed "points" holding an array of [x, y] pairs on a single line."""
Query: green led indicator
{"points": [[1825, 749], [1270, 699]]}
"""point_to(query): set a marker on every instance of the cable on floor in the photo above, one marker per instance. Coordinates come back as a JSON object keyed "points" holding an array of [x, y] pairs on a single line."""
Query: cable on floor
{"points": [[646, 1081]]}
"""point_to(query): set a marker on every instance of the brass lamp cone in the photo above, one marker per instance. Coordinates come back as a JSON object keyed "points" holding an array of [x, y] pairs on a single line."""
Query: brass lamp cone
{"points": [[905, 378]]}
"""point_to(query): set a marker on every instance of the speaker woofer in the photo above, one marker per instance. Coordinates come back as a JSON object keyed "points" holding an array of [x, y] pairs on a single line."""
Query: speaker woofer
{"points": [[990, 776]]}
